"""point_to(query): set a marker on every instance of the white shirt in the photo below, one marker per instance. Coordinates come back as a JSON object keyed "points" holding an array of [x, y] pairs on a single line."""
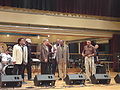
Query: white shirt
{"points": [[54, 50], [6, 57]]}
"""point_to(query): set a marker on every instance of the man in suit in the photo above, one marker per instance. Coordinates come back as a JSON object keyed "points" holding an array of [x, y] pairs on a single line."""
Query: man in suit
{"points": [[54, 61], [29, 64], [62, 57], [44, 54], [20, 57]]}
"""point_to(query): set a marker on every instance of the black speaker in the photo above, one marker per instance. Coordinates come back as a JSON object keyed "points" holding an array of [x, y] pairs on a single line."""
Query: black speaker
{"points": [[117, 78], [10, 81], [74, 79], [100, 79], [100, 69], [44, 79]]}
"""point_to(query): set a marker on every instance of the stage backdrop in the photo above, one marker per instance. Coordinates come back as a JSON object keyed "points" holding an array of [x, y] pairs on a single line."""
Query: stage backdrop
{"points": [[90, 7]]}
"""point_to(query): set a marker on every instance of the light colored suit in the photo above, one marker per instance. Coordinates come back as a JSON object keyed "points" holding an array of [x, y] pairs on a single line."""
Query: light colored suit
{"points": [[20, 55], [62, 57], [62, 51]]}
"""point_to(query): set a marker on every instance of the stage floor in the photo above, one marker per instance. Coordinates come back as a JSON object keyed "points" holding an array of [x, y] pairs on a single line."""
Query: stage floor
{"points": [[60, 85]]}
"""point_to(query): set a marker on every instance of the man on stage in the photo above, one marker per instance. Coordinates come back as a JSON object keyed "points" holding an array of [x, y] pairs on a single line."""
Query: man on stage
{"points": [[44, 54], [89, 53], [20, 57], [29, 64], [62, 57], [54, 50]]}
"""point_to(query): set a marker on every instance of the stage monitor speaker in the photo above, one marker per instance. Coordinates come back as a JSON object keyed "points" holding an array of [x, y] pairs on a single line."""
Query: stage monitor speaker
{"points": [[74, 79], [10, 81], [44, 79], [100, 79], [117, 78]]}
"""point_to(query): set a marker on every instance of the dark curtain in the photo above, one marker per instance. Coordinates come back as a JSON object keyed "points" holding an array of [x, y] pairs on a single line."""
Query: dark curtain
{"points": [[5, 2], [115, 8], [115, 51], [91, 7]]}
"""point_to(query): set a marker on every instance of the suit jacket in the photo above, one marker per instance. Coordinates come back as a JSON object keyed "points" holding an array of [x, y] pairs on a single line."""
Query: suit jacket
{"points": [[44, 52], [62, 53], [20, 55], [29, 53]]}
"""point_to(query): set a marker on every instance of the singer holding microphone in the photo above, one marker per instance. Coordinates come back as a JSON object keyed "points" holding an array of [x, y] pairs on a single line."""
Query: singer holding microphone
{"points": [[88, 53]]}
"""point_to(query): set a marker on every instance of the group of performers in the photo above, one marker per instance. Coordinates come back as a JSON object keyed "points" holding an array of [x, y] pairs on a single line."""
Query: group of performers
{"points": [[20, 58], [52, 57]]}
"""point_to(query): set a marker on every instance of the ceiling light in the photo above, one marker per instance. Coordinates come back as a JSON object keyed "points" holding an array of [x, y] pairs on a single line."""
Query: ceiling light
{"points": [[38, 37], [48, 35], [8, 35]]}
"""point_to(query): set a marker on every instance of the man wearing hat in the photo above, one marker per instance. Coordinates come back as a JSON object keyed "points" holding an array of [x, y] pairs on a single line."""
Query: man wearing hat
{"points": [[29, 64]]}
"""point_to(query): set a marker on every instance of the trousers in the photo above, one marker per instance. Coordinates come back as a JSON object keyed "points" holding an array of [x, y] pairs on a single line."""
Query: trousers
{"points": [[62, 68], [90, 68]]}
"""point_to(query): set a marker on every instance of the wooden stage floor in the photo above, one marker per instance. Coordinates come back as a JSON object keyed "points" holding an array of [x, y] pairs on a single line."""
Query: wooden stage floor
{"points": [[60, 85]]}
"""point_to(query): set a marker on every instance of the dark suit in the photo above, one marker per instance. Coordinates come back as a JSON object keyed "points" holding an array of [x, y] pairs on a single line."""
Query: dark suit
{"points": [[29, 64], [44, 53]]}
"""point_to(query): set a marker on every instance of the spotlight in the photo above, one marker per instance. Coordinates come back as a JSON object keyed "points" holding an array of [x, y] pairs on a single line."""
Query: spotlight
{"points": [[38, 37], [48, 35], [8, 35]]}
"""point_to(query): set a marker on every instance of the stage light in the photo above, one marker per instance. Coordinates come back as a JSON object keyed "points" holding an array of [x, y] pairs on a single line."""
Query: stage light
{"points": [[48, 35], [8, 35], [38, 37]]}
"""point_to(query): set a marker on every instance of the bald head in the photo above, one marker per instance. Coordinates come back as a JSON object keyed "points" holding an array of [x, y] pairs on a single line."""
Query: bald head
{"points": [[88, 42], [61, 42]]}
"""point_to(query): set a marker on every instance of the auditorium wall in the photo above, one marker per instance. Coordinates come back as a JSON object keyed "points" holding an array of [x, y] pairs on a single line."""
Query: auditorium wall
{"points": [[47, 20]]}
